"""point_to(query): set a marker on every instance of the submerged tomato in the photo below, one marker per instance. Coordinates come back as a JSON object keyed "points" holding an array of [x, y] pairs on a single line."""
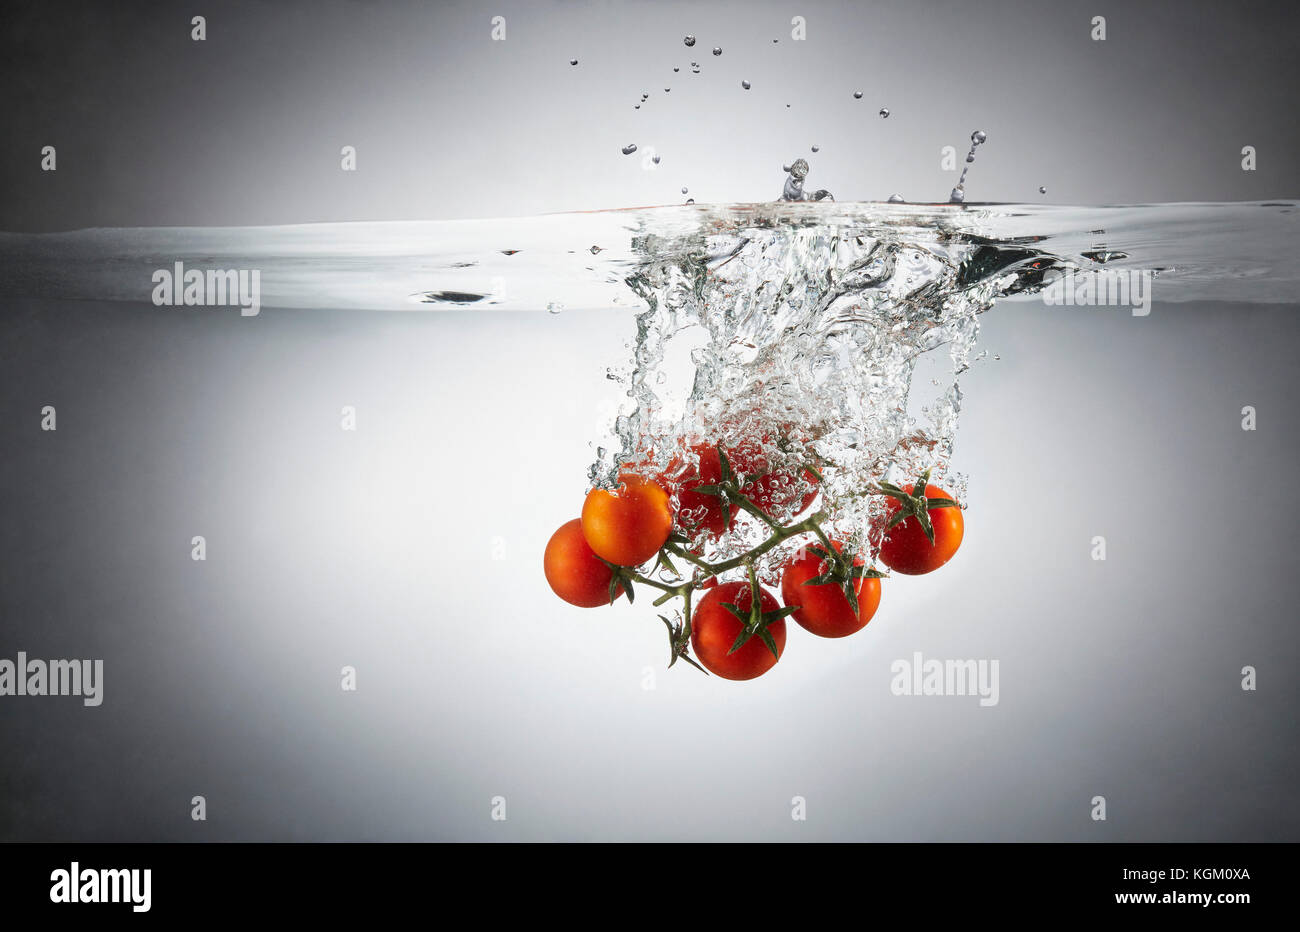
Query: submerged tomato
{"points": [[780, 491], [823, 609], [700, 511], [906, 548], [628, 525], [572, 569], [714, 629]]}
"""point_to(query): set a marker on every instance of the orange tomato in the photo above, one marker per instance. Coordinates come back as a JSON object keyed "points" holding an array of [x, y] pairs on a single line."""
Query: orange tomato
{"points": [[628, 525]]}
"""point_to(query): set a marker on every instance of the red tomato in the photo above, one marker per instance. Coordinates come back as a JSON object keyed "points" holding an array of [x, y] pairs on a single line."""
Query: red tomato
{"points": [[630, 524], [906, 549], [780, 490], [714, 629], [572, 569], [767, 488], [700, 511], [823, 609]]}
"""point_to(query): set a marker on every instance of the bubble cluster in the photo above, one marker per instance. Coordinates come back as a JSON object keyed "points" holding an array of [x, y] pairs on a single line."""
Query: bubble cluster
{"points": [[795, 338]]}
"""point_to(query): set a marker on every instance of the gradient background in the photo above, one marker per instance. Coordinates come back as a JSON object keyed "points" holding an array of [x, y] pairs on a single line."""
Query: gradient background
{"points": [[410, 549], [245, 128]]}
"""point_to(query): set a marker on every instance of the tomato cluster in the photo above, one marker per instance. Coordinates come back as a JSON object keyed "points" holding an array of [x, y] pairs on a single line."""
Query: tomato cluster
{"points": [[737, 631]]}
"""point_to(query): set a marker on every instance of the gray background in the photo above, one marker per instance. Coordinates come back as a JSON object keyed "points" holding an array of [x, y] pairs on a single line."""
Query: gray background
{"points": [[245, 128], [376, 548]]}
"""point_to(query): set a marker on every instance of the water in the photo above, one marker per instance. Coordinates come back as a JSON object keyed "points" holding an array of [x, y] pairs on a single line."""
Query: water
{"points": [[793, 188], [795, 326], [977, 139], [1245, 252]]}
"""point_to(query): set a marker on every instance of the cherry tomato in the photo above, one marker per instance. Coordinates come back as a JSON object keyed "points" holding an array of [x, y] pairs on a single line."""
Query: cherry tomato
{"points": [[767, 488], [823, 609], [700, 511], [714, 629], [779, 490], [572, 569], [630, 524], [906, 549]]}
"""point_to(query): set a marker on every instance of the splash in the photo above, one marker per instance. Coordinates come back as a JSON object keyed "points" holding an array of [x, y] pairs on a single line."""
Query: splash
{"points": [[794, 341]]}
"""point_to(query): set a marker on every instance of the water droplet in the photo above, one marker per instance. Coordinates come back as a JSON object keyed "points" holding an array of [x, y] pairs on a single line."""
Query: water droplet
{"points": [[675, 70], [896, 199], [689, 41], [817, 148], [684, 190], [717, 50], [655, 159], [629, 148], [573, 61], [636, 106], [595, 250], [645, 95], [690, 200], [775, 41], [857, 95], [746, 85], [555, 307], [667, 90], [884, 113], [978, 137], [958, 195], [1042, 189], [787, 106]]}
